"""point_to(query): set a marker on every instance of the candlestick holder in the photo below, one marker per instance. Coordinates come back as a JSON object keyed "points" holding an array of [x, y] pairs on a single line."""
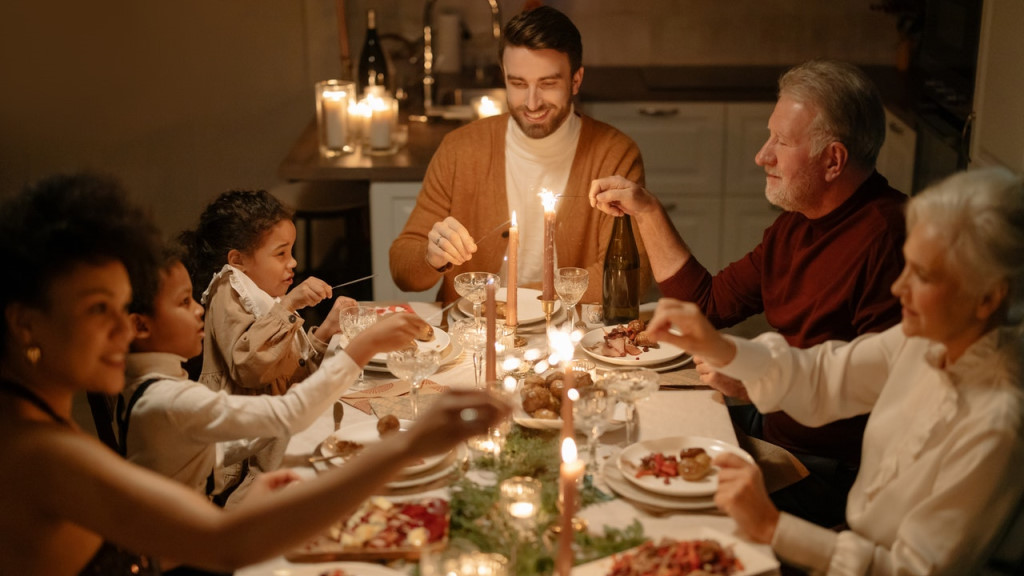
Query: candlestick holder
{"points": [[549, 308], [518, 340]]}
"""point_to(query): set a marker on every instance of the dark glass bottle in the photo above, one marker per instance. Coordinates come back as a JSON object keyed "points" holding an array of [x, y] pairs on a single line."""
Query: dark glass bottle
{"points": [[621, 294], [373, 67]]}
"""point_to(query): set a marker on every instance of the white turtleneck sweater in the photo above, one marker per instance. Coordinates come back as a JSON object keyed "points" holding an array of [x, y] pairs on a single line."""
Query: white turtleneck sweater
{"points": [[532, 164]]}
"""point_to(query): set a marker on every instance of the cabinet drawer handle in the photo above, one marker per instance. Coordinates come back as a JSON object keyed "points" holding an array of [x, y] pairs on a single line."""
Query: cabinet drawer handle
{"points": [[656, 112]]}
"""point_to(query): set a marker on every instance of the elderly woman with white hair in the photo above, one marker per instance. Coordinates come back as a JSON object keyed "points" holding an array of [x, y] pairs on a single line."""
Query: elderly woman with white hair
{"points": [[943, 453]]}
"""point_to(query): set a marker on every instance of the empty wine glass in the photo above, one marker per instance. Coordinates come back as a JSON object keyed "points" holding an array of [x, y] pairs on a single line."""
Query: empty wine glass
{"points": [[414, 365], [631, 385], [570, 284], [355, 319], [593, 412], [473, 338], [472, 287]]}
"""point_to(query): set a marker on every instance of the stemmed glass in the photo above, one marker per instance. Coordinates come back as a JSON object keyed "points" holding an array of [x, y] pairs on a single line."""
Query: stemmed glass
{"points": [[570, 284], [414, 365], [630, 386], [355, 319], [473, 337], [471, 286], [593, 412], [519, 498]]}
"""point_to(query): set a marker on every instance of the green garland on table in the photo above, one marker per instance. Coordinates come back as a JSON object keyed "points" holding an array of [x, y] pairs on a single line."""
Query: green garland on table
{"points": [[475, 516]]}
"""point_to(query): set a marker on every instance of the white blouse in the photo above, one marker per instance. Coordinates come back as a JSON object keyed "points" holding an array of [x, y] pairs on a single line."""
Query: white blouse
{"points": [[942, 454]]}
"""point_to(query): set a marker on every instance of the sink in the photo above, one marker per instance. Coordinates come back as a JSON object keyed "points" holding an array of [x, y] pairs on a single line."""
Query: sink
{"points": [[464, 103]]}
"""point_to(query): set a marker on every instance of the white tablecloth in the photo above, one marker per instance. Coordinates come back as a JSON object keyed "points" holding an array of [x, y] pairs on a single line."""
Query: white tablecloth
{"points": [[666, 413]]}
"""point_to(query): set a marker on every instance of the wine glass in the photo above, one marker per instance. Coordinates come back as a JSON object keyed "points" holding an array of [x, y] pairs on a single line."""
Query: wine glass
{"points": [[414, 365], [473, 337], [472, 287], [593, 412], [570, 284], [630, 386], [355, 319]]}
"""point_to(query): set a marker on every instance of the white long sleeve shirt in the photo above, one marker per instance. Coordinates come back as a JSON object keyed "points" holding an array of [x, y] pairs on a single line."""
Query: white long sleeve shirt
{"points": [[942, 453], [183, 430]]}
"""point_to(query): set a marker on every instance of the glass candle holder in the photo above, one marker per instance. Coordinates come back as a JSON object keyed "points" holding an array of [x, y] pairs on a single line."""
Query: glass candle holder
{"points": [[334, 128]]}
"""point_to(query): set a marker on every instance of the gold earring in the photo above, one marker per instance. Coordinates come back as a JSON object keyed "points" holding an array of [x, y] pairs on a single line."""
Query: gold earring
{"points": [[33, 353]]}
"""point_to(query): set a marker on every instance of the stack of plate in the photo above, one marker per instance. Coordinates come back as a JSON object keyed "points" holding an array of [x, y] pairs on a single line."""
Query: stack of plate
{"points": [[661, 359], [675, 493], [418, 473]]}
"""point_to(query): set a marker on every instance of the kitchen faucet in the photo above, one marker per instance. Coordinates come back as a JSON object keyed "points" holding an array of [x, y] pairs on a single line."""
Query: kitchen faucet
{"points": [[428, 53]]}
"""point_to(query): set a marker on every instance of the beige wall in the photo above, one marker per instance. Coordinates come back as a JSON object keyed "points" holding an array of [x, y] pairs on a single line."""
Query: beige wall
{"points": [[185, 99]]}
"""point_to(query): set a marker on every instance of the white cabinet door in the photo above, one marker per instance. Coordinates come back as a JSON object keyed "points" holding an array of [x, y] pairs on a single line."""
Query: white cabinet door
{"points": [[681, 142], [999, 128], [896, 158], [390, 206], [698, 221], [746, 130]]}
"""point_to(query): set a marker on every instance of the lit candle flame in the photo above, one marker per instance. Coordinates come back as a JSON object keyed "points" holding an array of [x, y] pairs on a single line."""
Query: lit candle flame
{"points": [[487, 107], [569, 451], [548, 199], [560, 343]]}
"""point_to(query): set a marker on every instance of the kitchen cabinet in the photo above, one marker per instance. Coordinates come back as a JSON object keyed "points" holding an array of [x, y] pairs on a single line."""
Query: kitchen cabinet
{"points": [[699, 162], [999, 125], [896, 158], [390, 206]]}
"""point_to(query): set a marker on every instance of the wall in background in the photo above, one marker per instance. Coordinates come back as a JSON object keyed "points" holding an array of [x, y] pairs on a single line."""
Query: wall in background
{"points": [[186, 99]]}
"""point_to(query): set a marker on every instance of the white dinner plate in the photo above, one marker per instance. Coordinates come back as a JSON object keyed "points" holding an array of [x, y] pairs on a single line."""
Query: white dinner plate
{"points": [[450, 354], [451, 462], [629, 462], [350, 569], [528, 306], [440, 342], [754, 561], [618, 483], [653, 356], [366, 433]]}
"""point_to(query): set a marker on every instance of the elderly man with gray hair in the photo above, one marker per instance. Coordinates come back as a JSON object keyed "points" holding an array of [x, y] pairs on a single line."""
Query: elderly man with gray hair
{"points": [[823, 268]]}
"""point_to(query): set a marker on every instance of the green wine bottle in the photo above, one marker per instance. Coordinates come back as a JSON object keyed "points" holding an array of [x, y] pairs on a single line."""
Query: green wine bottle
{"points": [[621, 295]]}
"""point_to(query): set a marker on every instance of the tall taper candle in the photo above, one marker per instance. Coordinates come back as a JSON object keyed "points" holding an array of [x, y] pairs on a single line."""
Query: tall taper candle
{"points": [[489, 312], [569, 383], [570, 471], [548, 289], [512, 289]]}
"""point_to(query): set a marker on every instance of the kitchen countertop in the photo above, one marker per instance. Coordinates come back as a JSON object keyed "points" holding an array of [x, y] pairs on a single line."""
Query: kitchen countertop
{"points": [[601, 84]]}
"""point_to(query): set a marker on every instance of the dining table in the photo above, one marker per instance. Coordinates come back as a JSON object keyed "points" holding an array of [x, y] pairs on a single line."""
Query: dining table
{"points": [[681, 407]]}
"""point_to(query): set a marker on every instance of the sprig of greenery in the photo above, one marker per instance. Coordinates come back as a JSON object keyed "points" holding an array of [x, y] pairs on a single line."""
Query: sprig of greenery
{"points": [[476, 516]]}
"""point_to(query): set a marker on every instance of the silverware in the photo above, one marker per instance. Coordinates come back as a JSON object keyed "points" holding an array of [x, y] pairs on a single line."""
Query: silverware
{"points": [[428, 319], [339, 413]]}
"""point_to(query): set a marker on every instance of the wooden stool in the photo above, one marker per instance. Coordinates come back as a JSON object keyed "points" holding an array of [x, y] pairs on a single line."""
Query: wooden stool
{"points": [[326, 200]]}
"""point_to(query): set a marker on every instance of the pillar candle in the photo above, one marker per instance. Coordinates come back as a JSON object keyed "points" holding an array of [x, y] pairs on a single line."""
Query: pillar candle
{"points": [[512, 290], [489, 313], [569, 473], [381, 122], [336, 118], [548, 291]]}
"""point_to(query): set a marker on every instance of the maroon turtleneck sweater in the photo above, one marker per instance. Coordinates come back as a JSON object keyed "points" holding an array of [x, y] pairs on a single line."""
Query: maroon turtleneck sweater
{"points": [[816, 280]]}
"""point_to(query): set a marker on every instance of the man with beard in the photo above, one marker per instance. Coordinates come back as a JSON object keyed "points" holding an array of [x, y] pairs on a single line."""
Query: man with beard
{"points": [[490, 168], [823, 270]]}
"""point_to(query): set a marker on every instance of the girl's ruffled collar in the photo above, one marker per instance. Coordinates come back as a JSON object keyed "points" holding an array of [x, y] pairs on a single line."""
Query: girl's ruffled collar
{"points": [[254, 300]]}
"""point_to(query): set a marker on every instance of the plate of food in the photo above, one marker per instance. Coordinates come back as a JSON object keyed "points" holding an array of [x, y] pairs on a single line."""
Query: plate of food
{"points": [[326, 569], [528, 306], [626, 489], [430, 338], [348, 441], [381, 529], [677, 465], [627, 346], [692, 549]]}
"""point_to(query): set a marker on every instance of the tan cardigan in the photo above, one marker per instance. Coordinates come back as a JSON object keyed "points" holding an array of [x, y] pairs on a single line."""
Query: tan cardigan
{"points": [[466, 180]]}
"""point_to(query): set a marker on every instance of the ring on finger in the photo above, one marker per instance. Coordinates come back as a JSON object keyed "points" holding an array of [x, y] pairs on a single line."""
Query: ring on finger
{"points": [[438, 241]]}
